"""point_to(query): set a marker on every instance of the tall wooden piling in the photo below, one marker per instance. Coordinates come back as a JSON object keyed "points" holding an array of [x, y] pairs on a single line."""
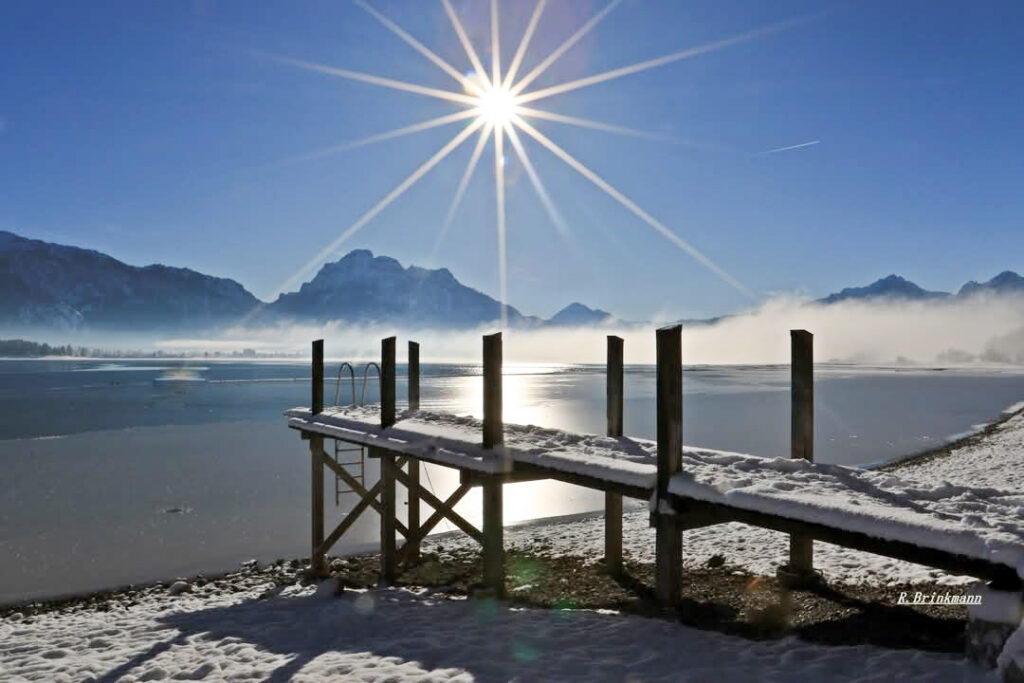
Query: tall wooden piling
{"points": [[493, 431], [493, 545], [613, 501], [801, 548], [413, 512], [669, 538], [387, 382], [388, 548], [316, 452]]}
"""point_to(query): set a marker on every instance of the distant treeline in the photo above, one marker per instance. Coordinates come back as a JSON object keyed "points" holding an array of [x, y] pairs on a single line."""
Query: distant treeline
{"points": [[21, 348]]}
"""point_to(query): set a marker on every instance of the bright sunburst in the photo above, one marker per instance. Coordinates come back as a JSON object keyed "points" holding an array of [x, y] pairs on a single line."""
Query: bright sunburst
{"points": [[497, 105], [493, 107]]}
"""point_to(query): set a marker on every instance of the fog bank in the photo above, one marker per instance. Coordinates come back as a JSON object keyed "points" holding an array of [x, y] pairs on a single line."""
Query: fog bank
{"points": [[953, 332]]}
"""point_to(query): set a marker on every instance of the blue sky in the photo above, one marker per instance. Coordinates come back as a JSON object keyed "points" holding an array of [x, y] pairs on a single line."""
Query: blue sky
{"points": [[155, 131]]}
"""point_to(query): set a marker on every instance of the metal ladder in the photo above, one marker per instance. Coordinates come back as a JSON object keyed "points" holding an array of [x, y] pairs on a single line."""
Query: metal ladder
{"points": [[356, 467]]}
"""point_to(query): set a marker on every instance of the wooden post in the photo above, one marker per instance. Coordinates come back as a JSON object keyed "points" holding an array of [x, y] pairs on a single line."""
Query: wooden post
{"points": [[493, 435], [801, 549], [613, 501], [387, 382], [388, 548], [318, 564], [493, 550], [412, 554], [414, 376], [669, 538]]}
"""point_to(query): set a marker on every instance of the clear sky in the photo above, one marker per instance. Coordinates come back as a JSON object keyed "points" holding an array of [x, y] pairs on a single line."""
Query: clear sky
{"points": [[164, 132]]}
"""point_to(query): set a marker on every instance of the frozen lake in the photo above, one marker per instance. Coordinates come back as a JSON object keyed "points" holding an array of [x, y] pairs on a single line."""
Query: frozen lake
{"points": [[131, 471]]}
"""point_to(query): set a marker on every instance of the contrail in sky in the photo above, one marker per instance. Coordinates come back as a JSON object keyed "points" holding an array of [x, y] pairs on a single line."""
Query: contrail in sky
{"points": [[786, 149]]}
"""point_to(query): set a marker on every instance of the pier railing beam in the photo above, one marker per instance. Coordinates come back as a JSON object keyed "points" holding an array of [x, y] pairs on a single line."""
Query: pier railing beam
{"points": [[412, 552], [318, 564], [613, 501], [493, 436], [801, 548], [669, 538]]}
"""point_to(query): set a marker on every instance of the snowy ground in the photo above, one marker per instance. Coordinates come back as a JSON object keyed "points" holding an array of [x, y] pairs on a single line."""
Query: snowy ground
{"points": [[397, 635]]}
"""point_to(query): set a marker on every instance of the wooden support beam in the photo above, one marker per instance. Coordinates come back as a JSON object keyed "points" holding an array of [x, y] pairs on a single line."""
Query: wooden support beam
{"points": [[412, 548], [388, 548], [387, 382], [318, 562], [801, 548], [414, 376], [669, 537], [316, 400], [493, 541], [613, 501], [908, 552], [493, 431], [444, 508], [417, 535], [519, 474], [359, 490]]}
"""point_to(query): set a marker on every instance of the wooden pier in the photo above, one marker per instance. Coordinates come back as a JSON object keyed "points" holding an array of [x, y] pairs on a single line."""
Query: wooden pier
{"points": [[678, 483]]}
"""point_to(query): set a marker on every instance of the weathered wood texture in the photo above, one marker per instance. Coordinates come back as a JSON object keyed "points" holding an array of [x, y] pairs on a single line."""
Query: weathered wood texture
{"points": [[316, 400], [668, 535], [387, 382], [414, 376], [388, 548], [493, 541], [412, 549], [316, 449], [613, 501], [801, 549], [493, 430]]}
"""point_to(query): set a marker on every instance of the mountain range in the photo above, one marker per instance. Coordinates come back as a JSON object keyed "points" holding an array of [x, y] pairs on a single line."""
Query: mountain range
{"points": [[52, 285]]}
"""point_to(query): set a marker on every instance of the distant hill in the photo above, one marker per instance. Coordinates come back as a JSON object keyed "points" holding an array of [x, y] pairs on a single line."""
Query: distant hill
{"points": [[52, 285], [576, 314], [361, 287], [1006, 282], [891, 287]]}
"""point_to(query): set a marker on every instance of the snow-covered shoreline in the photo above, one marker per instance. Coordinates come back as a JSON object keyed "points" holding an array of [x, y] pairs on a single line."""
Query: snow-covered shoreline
{"points": [[213, 633]]}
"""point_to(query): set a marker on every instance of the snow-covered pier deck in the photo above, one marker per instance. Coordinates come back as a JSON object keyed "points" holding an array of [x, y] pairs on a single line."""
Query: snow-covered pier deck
{"points": [[962, 530]]}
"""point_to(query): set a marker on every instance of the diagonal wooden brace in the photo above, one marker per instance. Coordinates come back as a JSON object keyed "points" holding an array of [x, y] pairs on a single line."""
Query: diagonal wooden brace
{"points": [[358, 488], [368, 498], [442, 507], [421, 533]]}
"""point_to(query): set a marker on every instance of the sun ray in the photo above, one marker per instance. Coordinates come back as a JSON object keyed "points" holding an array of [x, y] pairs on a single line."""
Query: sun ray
{"points": [[523, 44], [474, 159], [379, 137], [499, 190], [382, 204], [420, 47], [561, 49], [495, 45], [378, 80], [632, 206], [538, 186], [474, 58], [590, 123], [663, 60]]}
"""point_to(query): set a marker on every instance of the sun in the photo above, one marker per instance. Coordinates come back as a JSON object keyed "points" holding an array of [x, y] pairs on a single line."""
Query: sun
{"points": [[493, 105], [497, 105]]}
